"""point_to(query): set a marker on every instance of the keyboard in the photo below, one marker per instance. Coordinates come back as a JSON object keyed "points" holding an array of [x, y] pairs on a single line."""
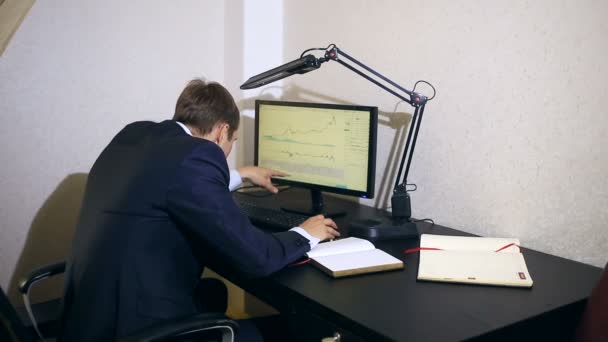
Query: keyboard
{"points": [[275, 219]]}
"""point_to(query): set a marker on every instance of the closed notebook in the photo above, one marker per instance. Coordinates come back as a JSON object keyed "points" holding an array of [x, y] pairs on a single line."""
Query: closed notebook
{"points": [[351, 256], [474, 260]]}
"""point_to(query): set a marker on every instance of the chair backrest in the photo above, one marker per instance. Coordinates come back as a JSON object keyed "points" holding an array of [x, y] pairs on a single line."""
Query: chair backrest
{"points": [[11, 327], [594, 323]]}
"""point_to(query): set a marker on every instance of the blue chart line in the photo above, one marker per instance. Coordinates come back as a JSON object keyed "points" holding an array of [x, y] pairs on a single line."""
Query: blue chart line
{"points": [[326, 156]]}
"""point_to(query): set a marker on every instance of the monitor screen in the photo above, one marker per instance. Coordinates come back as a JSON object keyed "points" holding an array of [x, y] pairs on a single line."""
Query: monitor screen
{"points": [[324, 147]]}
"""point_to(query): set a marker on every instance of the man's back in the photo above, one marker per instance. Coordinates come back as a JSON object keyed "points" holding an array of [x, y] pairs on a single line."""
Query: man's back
{"points": [[126, 245], [156, 207]]}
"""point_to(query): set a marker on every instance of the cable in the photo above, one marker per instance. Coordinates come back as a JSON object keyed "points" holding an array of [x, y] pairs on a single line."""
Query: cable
{"points": [[252, 194], [312, 49], [425, 220], [430, 85], [257, 196], [329, 47], [247, 187]]}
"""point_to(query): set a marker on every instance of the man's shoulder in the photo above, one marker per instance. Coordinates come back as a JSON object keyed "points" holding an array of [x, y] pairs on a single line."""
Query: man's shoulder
{"points": [[143, 125], [209, 151], [140, 131], [137, 127]]}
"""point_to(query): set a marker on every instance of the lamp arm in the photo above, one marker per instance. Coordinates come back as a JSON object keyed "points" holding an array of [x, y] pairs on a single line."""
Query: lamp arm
{"points": [[415, 99], [418, 101], [412, 136], [373, 81]]}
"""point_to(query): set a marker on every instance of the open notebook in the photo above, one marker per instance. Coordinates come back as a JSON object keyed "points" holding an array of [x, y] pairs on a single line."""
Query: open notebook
{"points": [[475, 260], [351, 256]]}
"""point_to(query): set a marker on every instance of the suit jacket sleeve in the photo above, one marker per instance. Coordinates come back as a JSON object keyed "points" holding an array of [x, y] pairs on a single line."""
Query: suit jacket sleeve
{"points": [[200, 202]]}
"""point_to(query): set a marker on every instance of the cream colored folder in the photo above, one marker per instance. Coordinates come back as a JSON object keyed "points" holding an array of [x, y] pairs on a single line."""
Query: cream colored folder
{"points": [[351, 256], [474, 260]]}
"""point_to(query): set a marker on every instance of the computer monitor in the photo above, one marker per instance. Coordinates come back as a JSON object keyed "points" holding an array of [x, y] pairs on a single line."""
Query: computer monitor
{"points": [[323, 147]]}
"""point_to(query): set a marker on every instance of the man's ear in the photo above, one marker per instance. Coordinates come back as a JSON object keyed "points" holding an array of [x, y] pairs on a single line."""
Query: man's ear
{"points": [[215, 134], [224, 132]]}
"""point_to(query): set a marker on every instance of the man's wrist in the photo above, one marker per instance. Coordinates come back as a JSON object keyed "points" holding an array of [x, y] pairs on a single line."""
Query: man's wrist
{"points": [[236, 179], [312, 241], [244, 172]]}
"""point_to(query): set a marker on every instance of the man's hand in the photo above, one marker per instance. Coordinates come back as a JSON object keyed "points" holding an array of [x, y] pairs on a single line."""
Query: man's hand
{"points": [[261, 176], [320, 227]]}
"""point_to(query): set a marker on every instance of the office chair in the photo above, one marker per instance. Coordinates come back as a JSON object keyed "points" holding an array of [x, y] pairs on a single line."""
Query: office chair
{"points": [[176, 329], [11, 327], [593, 325]]}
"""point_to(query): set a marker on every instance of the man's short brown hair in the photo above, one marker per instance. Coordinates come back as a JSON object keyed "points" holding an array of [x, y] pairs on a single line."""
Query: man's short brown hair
{"points": [[206, 104]]}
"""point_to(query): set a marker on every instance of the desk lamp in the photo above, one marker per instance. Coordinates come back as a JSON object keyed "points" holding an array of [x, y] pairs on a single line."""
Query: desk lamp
{"points": [[401, 225]]}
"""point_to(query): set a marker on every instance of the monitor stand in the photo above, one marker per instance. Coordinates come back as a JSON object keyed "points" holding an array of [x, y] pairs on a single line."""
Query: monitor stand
{"points": [[316, 207]]}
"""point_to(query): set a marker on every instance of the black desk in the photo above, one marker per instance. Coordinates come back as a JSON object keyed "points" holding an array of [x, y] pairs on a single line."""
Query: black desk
{"points": [[394, 306]]}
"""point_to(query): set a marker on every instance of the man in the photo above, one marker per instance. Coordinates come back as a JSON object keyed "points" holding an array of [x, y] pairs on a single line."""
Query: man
{"points": [[157, 209]]}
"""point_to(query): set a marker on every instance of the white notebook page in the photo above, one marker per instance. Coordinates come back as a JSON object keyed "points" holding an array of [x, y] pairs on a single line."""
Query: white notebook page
{"points": [[361, 259], [347, 245]]}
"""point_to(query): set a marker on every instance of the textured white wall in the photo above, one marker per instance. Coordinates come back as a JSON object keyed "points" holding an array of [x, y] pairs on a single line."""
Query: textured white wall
{"points": [[512, 144], [74, 74], [262, 50]]}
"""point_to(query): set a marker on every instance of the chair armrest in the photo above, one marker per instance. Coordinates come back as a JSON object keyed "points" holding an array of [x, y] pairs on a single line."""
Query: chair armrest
{"points": [[185, 326], [41, 273], [35, 276]]}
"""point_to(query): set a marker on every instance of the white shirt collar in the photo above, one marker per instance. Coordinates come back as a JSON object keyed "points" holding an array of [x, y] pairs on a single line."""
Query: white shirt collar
{"points": [[185, 128]]}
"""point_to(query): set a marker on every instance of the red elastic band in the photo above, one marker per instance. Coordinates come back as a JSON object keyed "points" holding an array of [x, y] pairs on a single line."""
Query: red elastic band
{"points": [[306, 261], [413, 250], [507, 246]]}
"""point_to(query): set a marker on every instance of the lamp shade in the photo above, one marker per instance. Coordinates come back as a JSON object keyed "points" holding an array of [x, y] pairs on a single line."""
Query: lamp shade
{"points": [[301, 65]]}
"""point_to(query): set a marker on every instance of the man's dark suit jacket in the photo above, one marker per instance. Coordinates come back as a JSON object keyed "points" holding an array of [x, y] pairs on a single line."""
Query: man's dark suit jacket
{"points": [[156, 208]]}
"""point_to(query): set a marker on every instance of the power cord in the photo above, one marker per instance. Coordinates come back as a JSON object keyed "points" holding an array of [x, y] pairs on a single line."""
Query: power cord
{"points": [[244, 190], [330, 46], [425, 220]]}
